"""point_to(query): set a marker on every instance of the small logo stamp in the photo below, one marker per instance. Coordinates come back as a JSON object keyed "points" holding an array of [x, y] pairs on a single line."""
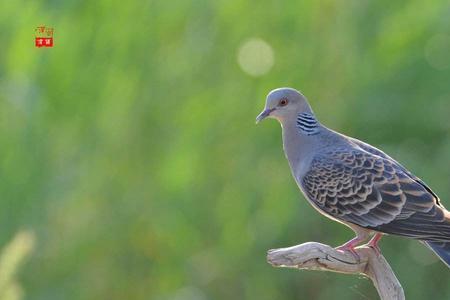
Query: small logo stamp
{"points": [[43, 36]]}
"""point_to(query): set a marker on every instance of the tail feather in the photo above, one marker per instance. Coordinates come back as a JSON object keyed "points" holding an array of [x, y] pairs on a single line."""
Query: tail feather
{"points": [[442, 249]]}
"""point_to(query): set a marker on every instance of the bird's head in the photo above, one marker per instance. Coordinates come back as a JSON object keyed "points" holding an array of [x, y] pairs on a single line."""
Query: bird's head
{"points": [[283, 103]]}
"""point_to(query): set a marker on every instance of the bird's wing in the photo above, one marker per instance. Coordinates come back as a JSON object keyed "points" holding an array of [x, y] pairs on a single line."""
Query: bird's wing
{"points": [[375, 151], [374, 192]]}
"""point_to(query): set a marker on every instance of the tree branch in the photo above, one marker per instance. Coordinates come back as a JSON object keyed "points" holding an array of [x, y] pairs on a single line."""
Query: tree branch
{"points": [[316, 256]]}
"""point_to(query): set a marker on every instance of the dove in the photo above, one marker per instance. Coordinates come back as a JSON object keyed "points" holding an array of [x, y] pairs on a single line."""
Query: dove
{"points": [[354, 183]]}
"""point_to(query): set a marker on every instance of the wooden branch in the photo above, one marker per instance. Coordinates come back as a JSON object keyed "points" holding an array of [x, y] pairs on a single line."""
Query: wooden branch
{"points": [[316, 256]]}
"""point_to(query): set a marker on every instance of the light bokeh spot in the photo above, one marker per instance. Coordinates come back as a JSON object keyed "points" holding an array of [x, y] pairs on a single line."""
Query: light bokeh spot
{"points": [[437, 51], [255, 57], [189, 293]]}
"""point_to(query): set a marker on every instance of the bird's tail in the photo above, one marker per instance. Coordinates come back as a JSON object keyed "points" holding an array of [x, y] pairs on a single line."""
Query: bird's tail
{"points": [[442, 249]]}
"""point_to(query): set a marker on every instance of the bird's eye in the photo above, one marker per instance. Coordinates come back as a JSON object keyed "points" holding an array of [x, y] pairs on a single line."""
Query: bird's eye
{"points": [[283, 102]]}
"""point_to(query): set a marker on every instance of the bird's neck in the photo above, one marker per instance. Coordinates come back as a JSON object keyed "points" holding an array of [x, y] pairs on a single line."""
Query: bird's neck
{"points": [[299, 144], [303, 137]]}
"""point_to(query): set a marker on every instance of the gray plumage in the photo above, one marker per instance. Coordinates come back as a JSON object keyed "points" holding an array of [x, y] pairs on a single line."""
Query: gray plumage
{"points": [[355, 183]]}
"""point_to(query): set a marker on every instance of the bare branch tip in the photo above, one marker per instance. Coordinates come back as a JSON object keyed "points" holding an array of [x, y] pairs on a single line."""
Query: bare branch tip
{"points": [[316, 256]]}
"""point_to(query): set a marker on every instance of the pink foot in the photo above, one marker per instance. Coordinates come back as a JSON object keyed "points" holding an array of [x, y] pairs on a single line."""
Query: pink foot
{"points": [[350, 246], [373, 243]]}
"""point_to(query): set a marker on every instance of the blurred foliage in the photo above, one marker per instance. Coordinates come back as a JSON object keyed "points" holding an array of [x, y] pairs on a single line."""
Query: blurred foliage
{"points": [[130, 147], [11, 258]]}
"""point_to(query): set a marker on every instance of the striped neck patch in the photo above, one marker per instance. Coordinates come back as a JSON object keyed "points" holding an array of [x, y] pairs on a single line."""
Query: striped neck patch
{"points": [[307, 124]]}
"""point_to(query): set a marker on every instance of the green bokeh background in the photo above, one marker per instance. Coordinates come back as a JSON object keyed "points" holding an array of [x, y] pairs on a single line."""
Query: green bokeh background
{"points": [[130, 148]]}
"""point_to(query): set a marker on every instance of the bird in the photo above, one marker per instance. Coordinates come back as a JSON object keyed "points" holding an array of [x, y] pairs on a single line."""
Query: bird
{"points": [[354, 183]]}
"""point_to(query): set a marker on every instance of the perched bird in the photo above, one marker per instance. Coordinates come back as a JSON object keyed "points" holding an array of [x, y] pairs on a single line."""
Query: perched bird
{"points": [[355, 183]]}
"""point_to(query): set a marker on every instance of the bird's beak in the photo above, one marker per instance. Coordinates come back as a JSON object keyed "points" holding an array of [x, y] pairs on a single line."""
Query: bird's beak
{"points": [[264, 114]]}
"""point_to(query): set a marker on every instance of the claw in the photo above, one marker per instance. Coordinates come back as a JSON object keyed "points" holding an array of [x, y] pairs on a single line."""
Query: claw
{"points": [[351, 245], [350, 249], [362, 235]]}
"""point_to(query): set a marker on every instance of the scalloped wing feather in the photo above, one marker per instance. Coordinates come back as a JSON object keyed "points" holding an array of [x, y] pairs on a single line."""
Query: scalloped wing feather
{"points": [[375, 192]]}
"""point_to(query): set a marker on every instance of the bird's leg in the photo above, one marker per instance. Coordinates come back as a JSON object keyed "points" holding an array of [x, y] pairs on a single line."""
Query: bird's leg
{"points": [[361, 236], [352, 244], [373, 243]]}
